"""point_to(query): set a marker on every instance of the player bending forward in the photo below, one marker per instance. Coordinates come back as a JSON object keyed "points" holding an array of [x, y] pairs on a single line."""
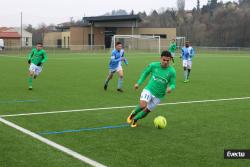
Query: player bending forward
{"points": [[36, 59], [162, 81]]}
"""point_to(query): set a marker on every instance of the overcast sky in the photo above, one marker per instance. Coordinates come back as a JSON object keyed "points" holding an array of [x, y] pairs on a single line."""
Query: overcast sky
{"points": [[56, 11]]}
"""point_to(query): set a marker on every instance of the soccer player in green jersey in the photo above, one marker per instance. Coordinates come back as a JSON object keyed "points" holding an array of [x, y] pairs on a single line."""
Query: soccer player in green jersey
{"points": [[162, 81], [36, 59], [172, 48]]}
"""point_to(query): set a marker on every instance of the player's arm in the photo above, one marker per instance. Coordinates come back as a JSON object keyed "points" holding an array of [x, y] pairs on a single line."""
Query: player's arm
{"points": [[192, 52], [30, 56], [143, 76], [123, 54], [124, 59], [182, 53], [45, 57], [172, 83]]}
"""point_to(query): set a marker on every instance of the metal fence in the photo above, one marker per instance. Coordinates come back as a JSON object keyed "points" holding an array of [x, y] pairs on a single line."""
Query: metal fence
{"points": [[81, 49]]}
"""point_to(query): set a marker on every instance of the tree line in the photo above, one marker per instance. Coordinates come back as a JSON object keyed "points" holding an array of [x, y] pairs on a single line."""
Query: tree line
{"points": [[214, 24]]}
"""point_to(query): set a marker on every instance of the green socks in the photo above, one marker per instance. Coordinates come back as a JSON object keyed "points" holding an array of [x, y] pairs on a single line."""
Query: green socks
{"points": [[137, 110], [140, 115], [30, 81]]}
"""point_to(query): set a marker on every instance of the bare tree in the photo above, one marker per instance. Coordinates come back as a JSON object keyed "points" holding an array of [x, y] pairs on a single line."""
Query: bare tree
{"points": [[181, 5]]}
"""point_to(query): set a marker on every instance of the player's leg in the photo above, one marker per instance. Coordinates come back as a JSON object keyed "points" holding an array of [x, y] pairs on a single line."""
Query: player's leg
{"points": [[38, 70], [173, 57], [120, 77], [30, 79], [189, 67], [140, 113], [142, 105], [120, 80], [144, 99], [109, 77], [185, 70], [150, 106], [32, 70]]}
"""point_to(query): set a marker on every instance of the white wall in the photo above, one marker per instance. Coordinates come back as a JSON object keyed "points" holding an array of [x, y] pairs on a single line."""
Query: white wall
{"points": [[26, 37]]}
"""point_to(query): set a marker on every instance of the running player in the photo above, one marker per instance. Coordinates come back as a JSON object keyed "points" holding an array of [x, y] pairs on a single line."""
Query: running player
{"points": [[36, 59], [187, 56], [172, 48], [162, 81], [115, 65]]}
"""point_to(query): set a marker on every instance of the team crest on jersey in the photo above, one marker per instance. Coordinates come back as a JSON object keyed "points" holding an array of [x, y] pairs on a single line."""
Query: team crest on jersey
{"points": [[160, 79]]}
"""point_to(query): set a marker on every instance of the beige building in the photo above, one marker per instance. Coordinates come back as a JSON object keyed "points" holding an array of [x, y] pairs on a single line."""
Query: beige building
{"points": [[53, 39], [98, 31]]}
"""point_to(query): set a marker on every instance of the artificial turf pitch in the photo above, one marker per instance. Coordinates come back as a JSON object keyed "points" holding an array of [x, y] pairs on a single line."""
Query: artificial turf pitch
{"points": [[196, 135]]}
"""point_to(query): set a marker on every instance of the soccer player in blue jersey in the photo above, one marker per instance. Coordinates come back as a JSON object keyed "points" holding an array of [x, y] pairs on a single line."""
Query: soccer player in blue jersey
{"points": [[187, 56], [115, 65]]}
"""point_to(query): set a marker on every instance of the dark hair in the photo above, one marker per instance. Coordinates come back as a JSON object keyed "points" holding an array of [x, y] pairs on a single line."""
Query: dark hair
{"points": [[166, 53], [118, 43], [39, 43]]}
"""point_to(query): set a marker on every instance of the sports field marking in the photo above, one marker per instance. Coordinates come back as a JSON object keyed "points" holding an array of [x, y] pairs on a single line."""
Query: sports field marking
{"points": [[17, 101], [122, 107], [53, 144], [84, 129]]}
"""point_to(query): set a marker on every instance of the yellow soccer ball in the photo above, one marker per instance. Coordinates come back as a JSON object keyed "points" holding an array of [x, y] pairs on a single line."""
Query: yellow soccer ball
{"points": [[160, 122]]}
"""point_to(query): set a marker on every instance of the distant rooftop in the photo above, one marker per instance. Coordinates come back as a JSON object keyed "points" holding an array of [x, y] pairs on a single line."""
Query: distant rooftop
{"points": [[9, 35], [112, 18]]}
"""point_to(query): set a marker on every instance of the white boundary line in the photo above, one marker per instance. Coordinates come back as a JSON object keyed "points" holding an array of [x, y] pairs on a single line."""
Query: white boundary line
{"points": [[75, 154], [53, 144], [122, 107]]}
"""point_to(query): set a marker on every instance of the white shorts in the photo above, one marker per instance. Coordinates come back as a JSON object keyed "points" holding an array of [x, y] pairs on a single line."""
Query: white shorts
{"points": [[150, 99], [173, 54], [187, 64], [119, 68], [36, 69]]}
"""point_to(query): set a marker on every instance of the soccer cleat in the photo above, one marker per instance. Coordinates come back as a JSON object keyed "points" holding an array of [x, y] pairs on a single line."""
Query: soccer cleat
{"points": [[30, 88], [120, 90], [134, 124], [130, 118], [186, 81], [105, 87]]}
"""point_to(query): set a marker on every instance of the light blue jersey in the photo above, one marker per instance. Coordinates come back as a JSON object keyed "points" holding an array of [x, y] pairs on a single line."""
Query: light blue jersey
{"points": [[115, 59], [187, 53]]}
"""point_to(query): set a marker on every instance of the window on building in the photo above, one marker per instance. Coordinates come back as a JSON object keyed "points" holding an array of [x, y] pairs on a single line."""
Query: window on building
{"points": [[68, 42], [163, 36], [26, 41], [64, 42]]}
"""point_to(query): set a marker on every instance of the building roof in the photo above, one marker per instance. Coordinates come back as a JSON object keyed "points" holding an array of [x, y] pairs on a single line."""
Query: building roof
{"points": [[113, 18], [9, 34], [13, 32]]}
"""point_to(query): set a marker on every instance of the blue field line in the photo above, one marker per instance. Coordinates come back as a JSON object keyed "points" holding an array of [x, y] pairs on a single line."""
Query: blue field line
{"points": [[84, 129], [17, 101]]}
